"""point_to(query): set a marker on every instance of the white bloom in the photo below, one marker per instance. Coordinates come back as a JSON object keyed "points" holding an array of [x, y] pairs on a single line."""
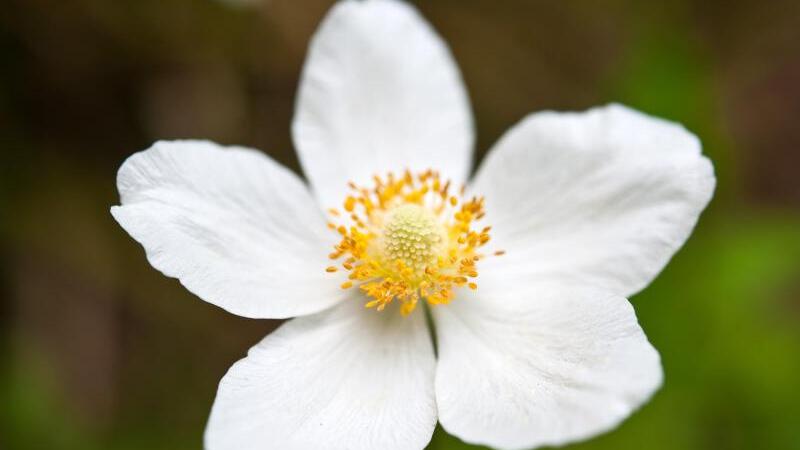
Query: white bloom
{"points": [[544, 349]]}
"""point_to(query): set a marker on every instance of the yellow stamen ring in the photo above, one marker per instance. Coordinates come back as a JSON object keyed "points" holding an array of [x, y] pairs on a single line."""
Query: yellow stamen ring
{"points": [[409, 239]]}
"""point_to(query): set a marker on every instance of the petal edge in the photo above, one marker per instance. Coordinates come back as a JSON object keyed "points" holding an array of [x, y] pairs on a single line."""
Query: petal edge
{"points": [[379, 92], [604, 197], [545, 366], [346, 378], [234, 227]]}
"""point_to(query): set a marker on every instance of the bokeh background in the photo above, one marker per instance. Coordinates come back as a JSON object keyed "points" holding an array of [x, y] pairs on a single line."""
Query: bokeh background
{"points": [[100, 351]]}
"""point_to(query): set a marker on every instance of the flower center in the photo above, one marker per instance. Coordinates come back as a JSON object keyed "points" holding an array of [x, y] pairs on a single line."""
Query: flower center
{"points": [[408, 239], [412, 235]]}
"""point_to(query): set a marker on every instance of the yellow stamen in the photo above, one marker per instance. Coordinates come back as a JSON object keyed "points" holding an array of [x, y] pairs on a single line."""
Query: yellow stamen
{"points": [[409, 240]]}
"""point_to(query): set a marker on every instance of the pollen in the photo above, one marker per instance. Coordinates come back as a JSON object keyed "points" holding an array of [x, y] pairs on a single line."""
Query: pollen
{"points": [[409, 239]]}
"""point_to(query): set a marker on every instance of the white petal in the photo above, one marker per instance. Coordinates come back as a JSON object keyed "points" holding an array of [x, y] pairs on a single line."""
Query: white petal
{"points": [[379, 92], [603, 197], [236, 228], [526, 367], [348, 378]]}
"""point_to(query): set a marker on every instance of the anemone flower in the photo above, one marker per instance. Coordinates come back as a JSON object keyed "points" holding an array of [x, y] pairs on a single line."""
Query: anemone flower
{"points": [[378, 258]]}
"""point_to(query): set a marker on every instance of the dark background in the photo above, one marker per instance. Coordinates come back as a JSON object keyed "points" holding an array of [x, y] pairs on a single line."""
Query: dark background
{"points": [[100, 351]]}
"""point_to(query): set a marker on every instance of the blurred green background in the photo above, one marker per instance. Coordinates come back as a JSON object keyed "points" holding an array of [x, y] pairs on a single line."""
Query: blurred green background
{"points": [[100, 351]]}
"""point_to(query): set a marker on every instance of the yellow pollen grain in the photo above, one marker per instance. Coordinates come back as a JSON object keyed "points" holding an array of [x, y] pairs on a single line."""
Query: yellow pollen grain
{"points": [[349, 204]]}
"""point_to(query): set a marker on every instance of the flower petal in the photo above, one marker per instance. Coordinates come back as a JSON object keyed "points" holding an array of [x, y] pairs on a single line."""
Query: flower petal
{"points": [[537, 365], [347, 378], [604, 197], [236, 228], [379, 92]]}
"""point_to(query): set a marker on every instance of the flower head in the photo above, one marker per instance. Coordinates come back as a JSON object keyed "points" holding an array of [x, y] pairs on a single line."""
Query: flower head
{"points": [[536, 347]]}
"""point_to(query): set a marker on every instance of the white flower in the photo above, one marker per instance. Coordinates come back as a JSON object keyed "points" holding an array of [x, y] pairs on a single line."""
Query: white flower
{"points": [[541, 348]]}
